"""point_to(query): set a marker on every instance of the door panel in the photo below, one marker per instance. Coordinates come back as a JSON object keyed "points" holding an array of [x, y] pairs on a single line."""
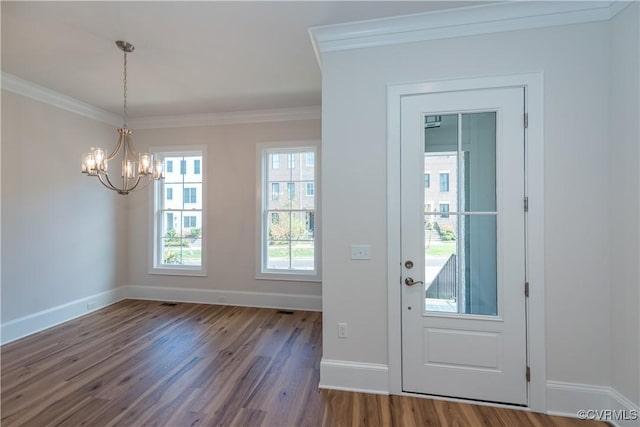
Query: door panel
{"points": [[462, 226]]}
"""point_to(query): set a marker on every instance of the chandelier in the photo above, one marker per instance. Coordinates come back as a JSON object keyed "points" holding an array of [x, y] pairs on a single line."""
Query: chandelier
{"points": [[138, 169]]}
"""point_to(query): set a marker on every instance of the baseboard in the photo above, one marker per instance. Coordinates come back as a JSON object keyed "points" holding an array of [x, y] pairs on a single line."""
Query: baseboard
{"points": [[600, 402], [626, 407], [224, 297], [354, 376], [36, 322]]}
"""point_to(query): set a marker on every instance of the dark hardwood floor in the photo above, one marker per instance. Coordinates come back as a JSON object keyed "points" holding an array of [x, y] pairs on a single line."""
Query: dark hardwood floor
{"points": [[145, 363]]}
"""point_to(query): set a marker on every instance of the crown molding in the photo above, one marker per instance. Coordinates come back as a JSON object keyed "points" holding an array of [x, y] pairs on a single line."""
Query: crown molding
{"points": [[56, 99], [467, 21], [239, 117]]}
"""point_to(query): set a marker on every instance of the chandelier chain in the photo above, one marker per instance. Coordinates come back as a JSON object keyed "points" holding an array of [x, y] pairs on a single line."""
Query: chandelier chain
{"points": [[124, 80]]}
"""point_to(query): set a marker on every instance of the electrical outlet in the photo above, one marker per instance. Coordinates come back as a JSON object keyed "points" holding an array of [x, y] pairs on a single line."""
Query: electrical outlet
{"points": [[343, 331], [361, 252]]}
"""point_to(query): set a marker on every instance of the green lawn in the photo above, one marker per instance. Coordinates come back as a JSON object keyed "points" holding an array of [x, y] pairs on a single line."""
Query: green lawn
{"points": [[181, 255], [296, 251], [443, 249]]}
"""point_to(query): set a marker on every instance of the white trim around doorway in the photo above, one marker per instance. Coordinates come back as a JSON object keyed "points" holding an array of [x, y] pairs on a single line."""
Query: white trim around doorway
{"points": [[534, 182]]}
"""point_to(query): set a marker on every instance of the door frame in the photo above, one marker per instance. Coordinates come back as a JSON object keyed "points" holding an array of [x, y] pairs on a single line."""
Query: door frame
{"points": [[534, 225]]}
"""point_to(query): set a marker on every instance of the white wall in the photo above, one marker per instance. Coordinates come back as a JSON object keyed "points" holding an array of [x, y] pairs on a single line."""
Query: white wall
{"points": [[576, 183], [624, 202], [61, 231], [231, 197]]}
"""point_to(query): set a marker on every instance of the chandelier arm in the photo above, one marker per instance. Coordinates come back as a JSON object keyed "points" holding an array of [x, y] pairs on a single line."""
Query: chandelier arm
{"points": [[108, 183], [113, 187], [145, 185], [115, 150], [136, 184], [125, 157]]}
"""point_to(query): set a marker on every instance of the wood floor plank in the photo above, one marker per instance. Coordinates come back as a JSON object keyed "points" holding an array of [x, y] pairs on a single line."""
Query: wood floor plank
{"points": [[146, 363]]}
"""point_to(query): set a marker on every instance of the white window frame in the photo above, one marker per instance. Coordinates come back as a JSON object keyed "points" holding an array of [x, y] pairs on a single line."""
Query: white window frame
{"points": [[155, 224], [262, 220]]}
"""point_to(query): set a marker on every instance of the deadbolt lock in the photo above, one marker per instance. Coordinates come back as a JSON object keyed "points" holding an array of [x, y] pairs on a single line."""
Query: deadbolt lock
{"points": [[408, 264]]}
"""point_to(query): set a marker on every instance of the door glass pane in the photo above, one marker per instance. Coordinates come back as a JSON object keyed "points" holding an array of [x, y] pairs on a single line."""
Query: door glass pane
{"points": [[478, 162], [441, 268], [440, 205], [441, 163], [460, 178], [477, 264]]}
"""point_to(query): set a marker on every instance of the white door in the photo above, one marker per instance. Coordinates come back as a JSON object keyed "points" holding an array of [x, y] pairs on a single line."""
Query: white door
{"points": [[463, 245]]}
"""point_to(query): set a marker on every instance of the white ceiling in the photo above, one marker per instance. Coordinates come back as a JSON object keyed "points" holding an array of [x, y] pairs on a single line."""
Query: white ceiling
{"points": [[190, 57]]}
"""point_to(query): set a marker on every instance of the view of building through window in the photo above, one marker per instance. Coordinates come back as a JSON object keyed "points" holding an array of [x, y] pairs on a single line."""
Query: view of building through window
{"points": [[289, 207], [179, 216]]}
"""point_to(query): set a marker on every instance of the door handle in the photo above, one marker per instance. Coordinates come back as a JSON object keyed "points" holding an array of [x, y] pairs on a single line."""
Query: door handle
{"points": [[410, 282]]}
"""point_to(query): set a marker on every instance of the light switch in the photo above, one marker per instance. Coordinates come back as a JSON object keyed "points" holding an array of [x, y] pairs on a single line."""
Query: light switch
{"points": [[361, 252]]}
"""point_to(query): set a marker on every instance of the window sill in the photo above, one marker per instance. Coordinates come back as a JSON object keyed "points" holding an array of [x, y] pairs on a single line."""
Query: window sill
{"points": [[177, 272], [292, 277]]}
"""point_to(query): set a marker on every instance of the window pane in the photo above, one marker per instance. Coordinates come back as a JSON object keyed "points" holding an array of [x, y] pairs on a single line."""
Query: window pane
{"points": [[172, 240], [187, 173], [440, 157], [441, 268], [299, 226], [180, 228], [278, 255], [478, 168], [478, 259], [302, 255], [461, 249], [289, 203]]}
